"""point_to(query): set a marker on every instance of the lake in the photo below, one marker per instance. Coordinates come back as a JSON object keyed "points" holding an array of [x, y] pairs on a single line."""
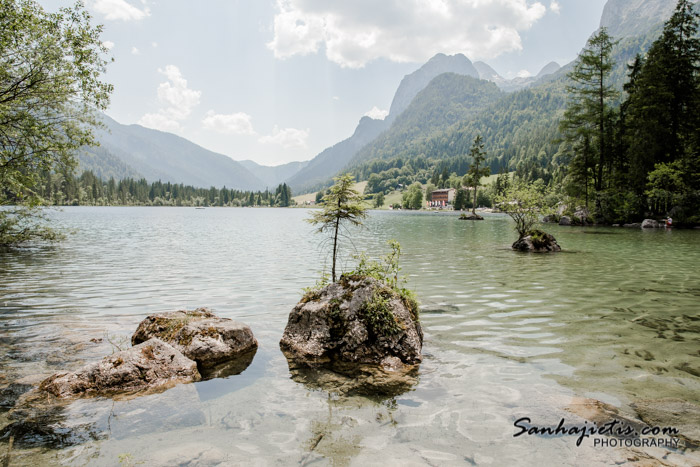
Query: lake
{"points": [[614, 317]]}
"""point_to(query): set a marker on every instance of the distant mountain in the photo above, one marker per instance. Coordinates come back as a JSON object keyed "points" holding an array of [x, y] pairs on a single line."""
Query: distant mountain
{"points": [[448, 99], [104, 164], [514, 84], [629, 18], [550, 68], [415, 82], [157, 155], [488, 73], [329, 162], [273, 176]]}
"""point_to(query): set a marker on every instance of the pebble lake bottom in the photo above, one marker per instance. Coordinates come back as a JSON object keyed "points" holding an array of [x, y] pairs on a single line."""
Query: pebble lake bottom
{"points": [[603, 328]]}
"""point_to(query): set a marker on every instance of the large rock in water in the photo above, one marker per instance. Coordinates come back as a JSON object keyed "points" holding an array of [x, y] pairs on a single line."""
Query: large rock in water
{"points": [[650, 224], [149, 365], [200, 335], [357, 327], [537, 241]]}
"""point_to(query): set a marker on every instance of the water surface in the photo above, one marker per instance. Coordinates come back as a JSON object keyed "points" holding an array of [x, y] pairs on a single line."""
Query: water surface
{"points": [[613, 317]]}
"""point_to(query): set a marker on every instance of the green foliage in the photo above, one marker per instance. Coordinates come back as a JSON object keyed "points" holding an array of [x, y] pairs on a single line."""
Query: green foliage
{"points": [[388, 271], [341, 205], [461, 199], [50, 93], [25, 224], [312, 293], [525, 204], [283, 196], [63, 189], [379, 200], [376, 314], [589, 114], [477, 169], [663, 116], [413, 197]]}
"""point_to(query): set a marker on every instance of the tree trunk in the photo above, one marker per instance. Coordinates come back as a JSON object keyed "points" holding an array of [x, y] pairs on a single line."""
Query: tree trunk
{"points": [[335, 245]]}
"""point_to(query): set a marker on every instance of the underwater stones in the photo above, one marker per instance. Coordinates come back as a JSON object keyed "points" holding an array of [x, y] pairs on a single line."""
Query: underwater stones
{"points": [[650, 224], [200, 335], [358, 327], [10, 394], [537, 241], [676, 413], [148, 365]]}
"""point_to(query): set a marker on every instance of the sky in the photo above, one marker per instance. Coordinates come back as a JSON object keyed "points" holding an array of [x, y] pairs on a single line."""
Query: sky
{"points": [[276, 81]]}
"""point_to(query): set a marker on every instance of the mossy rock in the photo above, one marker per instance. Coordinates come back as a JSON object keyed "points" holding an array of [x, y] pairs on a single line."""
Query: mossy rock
{"points": [[199, 334]]}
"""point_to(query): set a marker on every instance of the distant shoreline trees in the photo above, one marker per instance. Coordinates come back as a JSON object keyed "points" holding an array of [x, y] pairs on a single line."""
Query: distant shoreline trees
{"points": [[64, 189]]}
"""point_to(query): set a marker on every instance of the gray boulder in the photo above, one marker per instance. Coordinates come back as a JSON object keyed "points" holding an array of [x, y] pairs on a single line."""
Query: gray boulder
{"points": [[200, 335], [634, 225], [149, 365], [565, 220], [354, 324], [650, 224], [470, 217], [583, 215], [537, 241]]}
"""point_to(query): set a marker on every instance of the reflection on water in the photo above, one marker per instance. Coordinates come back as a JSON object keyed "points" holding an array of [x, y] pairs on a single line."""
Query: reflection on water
{"points": [[613, 317]]}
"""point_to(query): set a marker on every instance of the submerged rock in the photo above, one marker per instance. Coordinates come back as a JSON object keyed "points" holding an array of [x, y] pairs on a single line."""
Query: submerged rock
{"points": [[358, 327], [200, 335], [149, 365], [650, 224], [676, 413], [10, 394], [537, 241]]}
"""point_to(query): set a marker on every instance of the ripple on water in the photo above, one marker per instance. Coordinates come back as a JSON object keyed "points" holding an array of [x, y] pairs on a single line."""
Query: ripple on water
{"points": [[506, 335]]}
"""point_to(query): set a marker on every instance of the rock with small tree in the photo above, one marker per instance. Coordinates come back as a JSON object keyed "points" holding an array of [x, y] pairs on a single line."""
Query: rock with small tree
{"points": [[525, 204], [364, 328]]}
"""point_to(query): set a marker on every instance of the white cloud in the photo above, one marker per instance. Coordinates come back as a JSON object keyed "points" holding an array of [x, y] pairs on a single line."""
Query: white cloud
{"points": [[377, 113], [154, 44], [109, 45], [135, 51], [288, 138], [554, 6], [356, 32], [523, 74], [120, 10], [176, 101], [237, 123], [336, 98]]}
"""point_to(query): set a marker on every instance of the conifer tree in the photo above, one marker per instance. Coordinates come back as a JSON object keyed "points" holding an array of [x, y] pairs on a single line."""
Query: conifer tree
{"points": [[341, 205], [477, 169], [587, 116]]}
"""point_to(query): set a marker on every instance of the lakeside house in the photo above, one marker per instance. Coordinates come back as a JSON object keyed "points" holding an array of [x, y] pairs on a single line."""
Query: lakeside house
{"points": [[442, 197]]}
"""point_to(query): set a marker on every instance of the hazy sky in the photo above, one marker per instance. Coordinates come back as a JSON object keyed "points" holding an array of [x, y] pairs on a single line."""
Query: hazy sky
{"points": [[280, 80]]}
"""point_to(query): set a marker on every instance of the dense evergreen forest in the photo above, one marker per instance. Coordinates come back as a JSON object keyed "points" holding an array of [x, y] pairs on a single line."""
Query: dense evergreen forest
{"points": [[64, 189]]}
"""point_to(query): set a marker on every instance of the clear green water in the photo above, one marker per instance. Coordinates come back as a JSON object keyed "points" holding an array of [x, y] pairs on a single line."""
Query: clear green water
{"points": [[614, 317]]}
